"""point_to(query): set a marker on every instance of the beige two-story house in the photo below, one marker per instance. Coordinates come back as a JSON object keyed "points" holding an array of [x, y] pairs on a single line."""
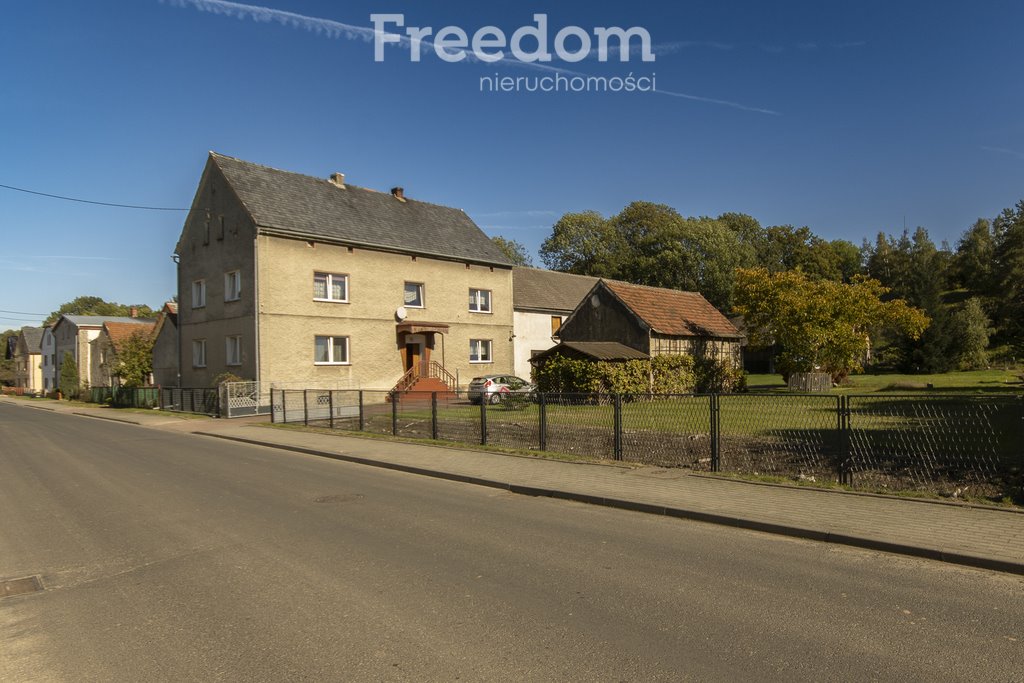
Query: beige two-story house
{"points": [[28, 361], [312, 282]]}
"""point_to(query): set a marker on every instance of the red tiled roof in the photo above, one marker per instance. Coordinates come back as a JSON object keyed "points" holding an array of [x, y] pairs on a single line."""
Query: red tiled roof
{"points": [[119, 332], [670, 311]]}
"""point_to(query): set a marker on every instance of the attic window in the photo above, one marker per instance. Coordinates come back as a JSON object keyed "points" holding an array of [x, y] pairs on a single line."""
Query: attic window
{"points": [[221, 237]]}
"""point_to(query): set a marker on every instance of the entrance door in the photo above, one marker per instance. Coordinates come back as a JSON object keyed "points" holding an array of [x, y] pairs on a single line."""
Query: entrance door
{"points": [[413, 356]]}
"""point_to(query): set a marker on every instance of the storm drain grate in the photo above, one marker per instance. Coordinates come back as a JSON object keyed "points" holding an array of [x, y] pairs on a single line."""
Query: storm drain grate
{"points": [[28, 584]]}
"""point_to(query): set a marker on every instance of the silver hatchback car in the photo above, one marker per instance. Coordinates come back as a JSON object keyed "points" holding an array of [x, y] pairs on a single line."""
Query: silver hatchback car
{"points": [[495, 388]]}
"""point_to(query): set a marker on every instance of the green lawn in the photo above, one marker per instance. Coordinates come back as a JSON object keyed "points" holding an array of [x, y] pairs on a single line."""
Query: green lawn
{"points": [[974, 381]]}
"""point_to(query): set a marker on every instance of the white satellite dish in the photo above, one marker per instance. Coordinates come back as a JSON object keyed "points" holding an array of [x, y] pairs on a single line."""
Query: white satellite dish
{"points": [[401, 314]]}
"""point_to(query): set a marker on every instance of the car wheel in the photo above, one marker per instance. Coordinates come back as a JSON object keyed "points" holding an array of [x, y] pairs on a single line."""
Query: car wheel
{"points": [[495, 398]]}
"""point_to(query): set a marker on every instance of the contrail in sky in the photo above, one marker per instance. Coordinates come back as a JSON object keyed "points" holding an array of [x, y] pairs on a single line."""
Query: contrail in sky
{"points": [[336, 29]]}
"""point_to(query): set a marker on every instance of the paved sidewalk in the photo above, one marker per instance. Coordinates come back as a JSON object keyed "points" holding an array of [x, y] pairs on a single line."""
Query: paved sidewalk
{"points": [[973, 536]]}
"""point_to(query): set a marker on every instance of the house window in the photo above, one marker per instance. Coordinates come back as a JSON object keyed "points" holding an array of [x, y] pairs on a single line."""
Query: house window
{"points": [[413, 295], [199, 294], [556, 323], [330, 287], [479, 350], [480, 300], [330, 351], [199, 353], [233, 350], [232, 286]]}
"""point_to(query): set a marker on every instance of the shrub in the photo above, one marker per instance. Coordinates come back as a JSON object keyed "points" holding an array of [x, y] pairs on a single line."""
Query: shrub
{"points": [[659, 375], [716, 377]]}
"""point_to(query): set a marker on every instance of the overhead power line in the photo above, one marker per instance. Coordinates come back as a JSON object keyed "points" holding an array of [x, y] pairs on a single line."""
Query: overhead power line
{"points": [[23, 312], [90, 201]]}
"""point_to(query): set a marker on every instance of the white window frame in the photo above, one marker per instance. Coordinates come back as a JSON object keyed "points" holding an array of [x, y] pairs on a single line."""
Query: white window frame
{"points": [[330, 350], [330, 277], [232, 277], [476, 351], [422, 291], [199, 359], [476, 298], [199, 294], [236, 341]]}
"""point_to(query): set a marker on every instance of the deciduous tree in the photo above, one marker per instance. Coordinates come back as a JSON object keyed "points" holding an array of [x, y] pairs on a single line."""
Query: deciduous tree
{"points": [[514, 251], [820, 324], [135, 360]]}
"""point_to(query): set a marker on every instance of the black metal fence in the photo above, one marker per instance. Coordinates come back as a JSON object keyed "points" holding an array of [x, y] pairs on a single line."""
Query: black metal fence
{"points": [[938, 443], [205, 401]]}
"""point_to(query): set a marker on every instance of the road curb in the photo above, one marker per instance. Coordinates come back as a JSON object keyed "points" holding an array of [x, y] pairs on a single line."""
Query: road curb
{"points": [[668, 511], [109, 419]]}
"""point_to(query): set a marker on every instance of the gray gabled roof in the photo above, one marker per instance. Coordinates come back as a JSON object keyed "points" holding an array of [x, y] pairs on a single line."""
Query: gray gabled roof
{"points": [[33, 338], [98, 320], [596, 350], [534, 289], [308, 207]]}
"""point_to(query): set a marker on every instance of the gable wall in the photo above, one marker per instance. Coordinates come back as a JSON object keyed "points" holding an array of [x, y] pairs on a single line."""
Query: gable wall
{"points": [[207, 252], [608, 320]]}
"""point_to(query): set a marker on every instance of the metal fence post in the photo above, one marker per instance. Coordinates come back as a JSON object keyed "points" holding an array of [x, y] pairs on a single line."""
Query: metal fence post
{"points": [[284, 406], [305, 407], [845, 475], [542, 421], [361, 422], [433, 415], [716, 441], [330, 406], [483, 419], [394, 413], [272, 418], [617, 427]]}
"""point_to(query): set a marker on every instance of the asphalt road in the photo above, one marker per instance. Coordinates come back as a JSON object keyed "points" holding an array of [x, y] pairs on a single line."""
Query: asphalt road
{"points": [[171, 557]]}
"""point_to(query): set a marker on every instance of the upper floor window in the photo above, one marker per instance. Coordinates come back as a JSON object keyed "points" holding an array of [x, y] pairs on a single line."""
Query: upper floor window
{"points": [[480, 300], [330, 351], [413, 295], [233, 350], [199, 353], [479, 350], [232, 286], [330, 287], [198, 293]]}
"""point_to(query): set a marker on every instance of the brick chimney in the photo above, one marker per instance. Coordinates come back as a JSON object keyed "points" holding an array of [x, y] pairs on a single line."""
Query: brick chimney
{"points": [[398, 193], [338, 179]]}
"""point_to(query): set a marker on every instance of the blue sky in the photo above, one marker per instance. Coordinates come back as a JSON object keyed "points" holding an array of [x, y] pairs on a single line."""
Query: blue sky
{"points": [[881, 112]]}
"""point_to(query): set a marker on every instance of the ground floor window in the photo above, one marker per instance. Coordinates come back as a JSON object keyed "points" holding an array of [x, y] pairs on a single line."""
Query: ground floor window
{"points": [[233, 350], [479, 350], [330, 350], [199, 353]]}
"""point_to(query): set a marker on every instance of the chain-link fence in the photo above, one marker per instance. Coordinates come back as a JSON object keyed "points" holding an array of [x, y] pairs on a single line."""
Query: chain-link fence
{"points": [[943, 444], [952, 444]]}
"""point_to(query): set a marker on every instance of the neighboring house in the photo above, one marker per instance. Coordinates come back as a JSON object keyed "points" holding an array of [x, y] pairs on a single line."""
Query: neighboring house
{"points": [[542, 300], [48, 348], [165, 346], [107, 347], [72, 333], [293, 279], [28, 371], [654, 321]]}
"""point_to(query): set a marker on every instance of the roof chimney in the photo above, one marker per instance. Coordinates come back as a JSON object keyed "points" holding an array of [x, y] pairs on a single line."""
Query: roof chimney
{"points": [[398, 193], [338, 179]]}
